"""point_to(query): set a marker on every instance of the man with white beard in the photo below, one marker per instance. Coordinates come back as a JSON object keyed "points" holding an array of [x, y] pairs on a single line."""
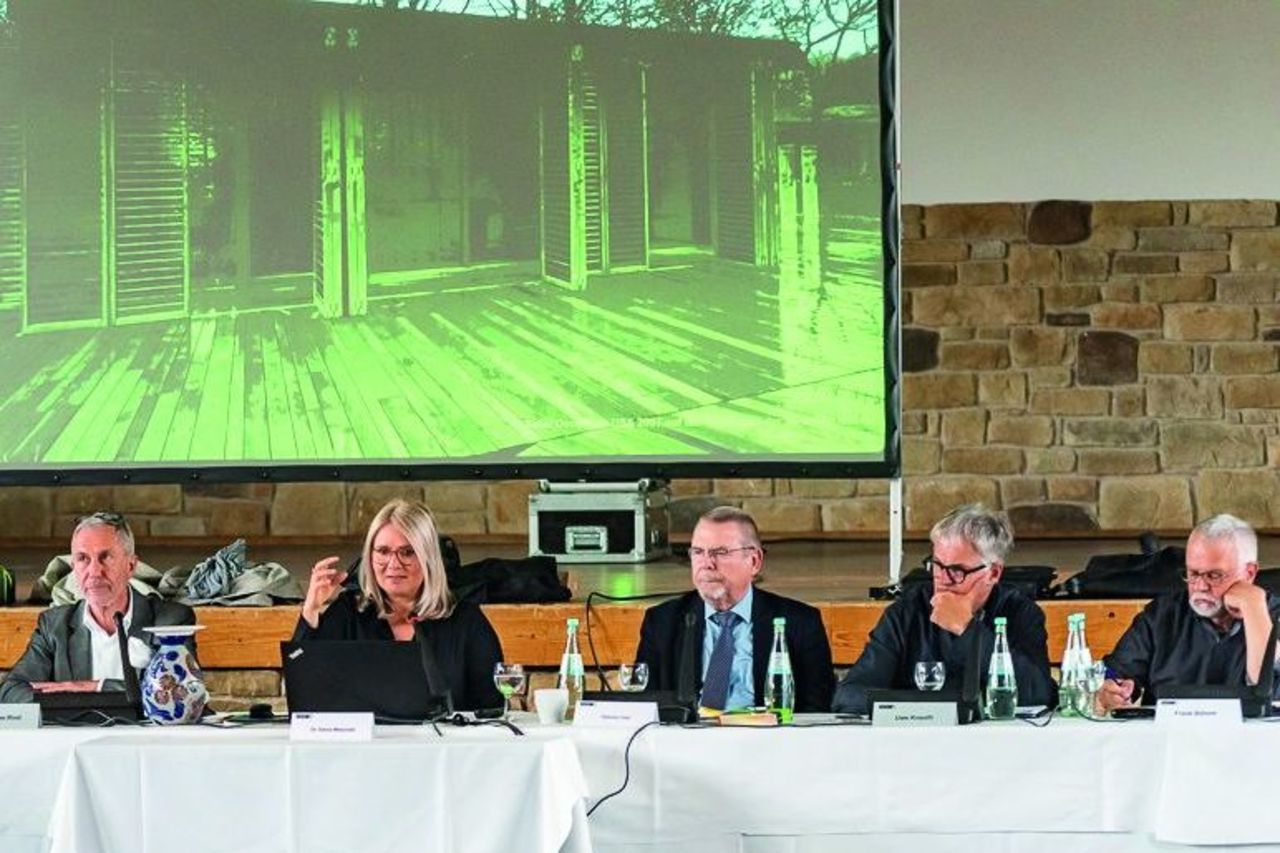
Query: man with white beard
{"points": [[1215, 632]]}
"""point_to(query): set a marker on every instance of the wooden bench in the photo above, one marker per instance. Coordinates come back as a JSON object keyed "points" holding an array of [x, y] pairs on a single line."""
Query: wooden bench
{"points": [[533, 634]]}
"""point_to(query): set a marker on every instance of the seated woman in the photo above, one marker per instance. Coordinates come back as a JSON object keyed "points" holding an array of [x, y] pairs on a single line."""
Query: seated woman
{"points": [[404, 596]]}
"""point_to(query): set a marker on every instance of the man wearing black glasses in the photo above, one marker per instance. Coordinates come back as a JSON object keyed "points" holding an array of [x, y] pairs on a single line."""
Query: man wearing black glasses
{"points": [[74, 647], [713, 643], [933, 622], [1214, 632]]}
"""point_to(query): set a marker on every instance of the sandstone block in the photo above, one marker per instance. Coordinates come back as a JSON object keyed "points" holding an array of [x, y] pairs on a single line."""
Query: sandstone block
{"points": [[928, 275], [1184, 397], [507, 504], [1109, 432], [1145, 503], [27, 512], [873, 488], [921, 456], [1232, 214], [919, 350], [1131, 213], [975, 306], [365, 499], [1164, 357], [1192, 446], [912, 222], [1085, 265], [934, 251], [938, 390], [982, 460], [1248, 288], [975, 355], [455, 496], [1036, 346], [244, 491], [743, 487], [1072, 489], [1067, 296], [928, 499], [1125, 315], [1106, 358], [1050, 377], [157, 498], [1244, 358], [980, 273], [1177, 288], [1021, 490], [1133, 264], [1179, 239], [1251, 495], [1112, 461], [237, 517], [1253, 392], [308, 509], [784, 515], [964, 427], [683, 488], [178, 526], [824, 488], [1002, 390], [988, 250], [1034, 265], [862, 515], [82, 500], [1209, 323], [1123, 290], [1203, 262], [685, 512], [1051, 520], [1128, 402], [1059, 222], [1071, 401], [1022, 431], [913, 423], [1067, 318], [1112, 238], [1257, 251], [1051, 460], [975, 221]]}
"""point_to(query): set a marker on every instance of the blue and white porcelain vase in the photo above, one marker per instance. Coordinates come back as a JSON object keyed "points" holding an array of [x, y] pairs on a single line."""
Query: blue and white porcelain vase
{"points": [[173, 688]]}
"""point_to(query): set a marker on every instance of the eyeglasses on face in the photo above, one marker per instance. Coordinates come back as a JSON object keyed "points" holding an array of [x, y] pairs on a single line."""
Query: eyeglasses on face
{"points": [[384, 553], [1213, 577], [955, 572], [715, 554]]}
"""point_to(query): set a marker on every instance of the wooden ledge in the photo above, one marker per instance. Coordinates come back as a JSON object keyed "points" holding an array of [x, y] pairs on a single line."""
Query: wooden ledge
{"points": [[533, 634]]}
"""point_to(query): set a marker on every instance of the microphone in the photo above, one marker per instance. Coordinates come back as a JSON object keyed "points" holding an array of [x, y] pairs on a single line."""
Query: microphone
{"points": [[436, 684], [687, 683], [132, 691], [970, 706]]}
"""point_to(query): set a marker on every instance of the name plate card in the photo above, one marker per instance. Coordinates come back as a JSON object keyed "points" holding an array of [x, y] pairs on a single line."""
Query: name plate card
{"points": [[912, 714], [331, 726], [1198, 712], [25, 715], [629, 715]]}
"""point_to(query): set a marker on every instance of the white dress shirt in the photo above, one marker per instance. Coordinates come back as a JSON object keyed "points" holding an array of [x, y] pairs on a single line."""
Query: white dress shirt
{"points": [[105, 647]]}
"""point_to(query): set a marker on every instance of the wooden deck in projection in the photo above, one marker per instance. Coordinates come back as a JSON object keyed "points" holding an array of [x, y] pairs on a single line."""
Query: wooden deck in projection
{"points": [[697, 357]]}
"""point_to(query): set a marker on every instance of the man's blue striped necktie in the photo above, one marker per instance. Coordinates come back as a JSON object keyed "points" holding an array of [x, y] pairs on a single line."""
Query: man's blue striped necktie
{"points": [[715, 685]]}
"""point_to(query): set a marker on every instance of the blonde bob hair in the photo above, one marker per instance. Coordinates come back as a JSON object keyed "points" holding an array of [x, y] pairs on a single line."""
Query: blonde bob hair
{"points": [[418, 526]]}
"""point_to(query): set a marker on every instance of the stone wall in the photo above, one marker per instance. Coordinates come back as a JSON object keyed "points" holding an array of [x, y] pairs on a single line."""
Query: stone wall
{"points": [[1089, 367]]}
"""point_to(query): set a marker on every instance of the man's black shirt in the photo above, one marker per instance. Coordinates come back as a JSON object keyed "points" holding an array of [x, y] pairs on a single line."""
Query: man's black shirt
{"points": [[1169, 644], [904, 635]]}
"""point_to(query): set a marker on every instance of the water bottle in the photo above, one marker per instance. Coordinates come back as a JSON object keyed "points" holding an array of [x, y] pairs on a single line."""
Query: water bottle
{"points": [[1085, 687], [571, 676], [1069, 684], [1002, 686], [779, 683]]}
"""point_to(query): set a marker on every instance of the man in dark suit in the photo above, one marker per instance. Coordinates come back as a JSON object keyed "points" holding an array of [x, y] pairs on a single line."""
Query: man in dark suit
{"points": [[713, 644], [74, 647]]}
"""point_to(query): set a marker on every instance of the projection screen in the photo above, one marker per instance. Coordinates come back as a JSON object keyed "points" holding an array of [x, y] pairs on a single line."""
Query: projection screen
{"points": [[297, 239]]}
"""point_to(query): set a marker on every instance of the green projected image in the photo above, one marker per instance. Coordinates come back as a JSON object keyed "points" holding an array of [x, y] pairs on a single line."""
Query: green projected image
{"points": [[272, 232]]}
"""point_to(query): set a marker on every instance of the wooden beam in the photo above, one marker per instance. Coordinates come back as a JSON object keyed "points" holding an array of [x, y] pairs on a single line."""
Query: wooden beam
{"points": [[533, 634]]}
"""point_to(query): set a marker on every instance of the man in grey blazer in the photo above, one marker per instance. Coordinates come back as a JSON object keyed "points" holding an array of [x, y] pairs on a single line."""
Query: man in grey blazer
{"points": [[74, 647]]}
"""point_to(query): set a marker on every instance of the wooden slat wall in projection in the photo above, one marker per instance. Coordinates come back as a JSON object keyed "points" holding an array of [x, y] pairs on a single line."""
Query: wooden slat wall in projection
{"points": [[249, 637]]}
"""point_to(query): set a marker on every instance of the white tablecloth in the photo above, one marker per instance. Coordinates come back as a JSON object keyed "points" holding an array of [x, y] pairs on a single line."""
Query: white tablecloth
{"points": [[1073, 785], [251, 790]]}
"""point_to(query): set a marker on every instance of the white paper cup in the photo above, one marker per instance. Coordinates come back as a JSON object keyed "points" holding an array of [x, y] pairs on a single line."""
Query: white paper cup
{"points": [[551, 703]]}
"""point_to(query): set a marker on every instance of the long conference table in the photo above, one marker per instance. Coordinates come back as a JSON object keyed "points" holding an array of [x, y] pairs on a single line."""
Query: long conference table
{"points": [[1071, 785]]}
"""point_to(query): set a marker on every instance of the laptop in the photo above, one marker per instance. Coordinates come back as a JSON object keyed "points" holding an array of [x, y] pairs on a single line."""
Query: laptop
{"points": [[380, 676]]}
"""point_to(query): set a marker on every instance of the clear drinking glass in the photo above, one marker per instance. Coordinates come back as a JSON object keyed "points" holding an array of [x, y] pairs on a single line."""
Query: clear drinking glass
{"points": [[930, 675], [633, 677], [509, 679]]}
